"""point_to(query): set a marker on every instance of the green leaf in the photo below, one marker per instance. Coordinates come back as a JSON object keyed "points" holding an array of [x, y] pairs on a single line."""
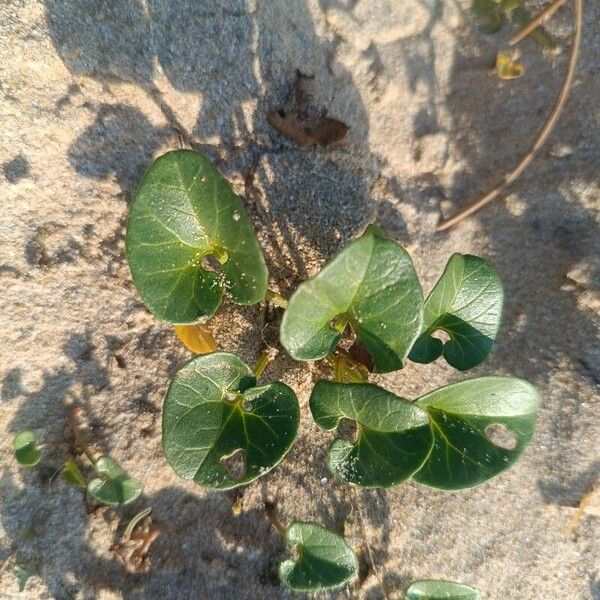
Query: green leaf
{"points": [[393, 437], [25, 449], [324, 560], [184, 211], [430, 589], [480, 426], [22, 574], [213, 414], [371, 285], [72, 474], [466, 303], [490, 15], [113, 485]]}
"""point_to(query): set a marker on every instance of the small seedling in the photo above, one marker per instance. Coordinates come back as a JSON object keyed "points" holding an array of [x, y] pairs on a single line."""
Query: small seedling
{"points": [[111, 486], [364, 312], [25, 449], [22, 573], [430, 589], [322, 560]]}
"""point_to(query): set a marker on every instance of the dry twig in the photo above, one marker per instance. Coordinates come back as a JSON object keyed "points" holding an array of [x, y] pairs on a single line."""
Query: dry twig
{"points": [[542, 135], [536, 21]]}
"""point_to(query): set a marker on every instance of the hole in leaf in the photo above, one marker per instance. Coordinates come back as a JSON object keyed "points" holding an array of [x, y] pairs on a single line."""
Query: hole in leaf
{"points": [[348, 429], [235, 464], [210, 263], [501, 436], [442, 335]]}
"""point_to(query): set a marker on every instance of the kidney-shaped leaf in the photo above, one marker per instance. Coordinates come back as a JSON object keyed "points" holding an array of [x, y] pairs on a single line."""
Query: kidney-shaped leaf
{"points": [[393, 437], [372, 285], [324, 560], [25, 448], [184, 212], [219, 428], [466, 303], [112, 486], [430, 589], [480, 426]]}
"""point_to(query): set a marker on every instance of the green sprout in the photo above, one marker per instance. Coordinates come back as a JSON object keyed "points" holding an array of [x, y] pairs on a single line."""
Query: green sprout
{"points": [[25, 449], [110, 485]]}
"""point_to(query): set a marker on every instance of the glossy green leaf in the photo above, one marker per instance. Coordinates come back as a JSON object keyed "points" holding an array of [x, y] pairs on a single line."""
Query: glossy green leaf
{"points": [[184, 211], [324, 560], [214, 414], [466, 303], [25, 449], [430, 589], [113, 485], [371, 285], [393, 435], [72, 474], [480, 426]]}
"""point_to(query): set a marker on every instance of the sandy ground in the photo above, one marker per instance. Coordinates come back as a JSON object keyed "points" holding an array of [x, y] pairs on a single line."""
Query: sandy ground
{"points": [[91, 91]]}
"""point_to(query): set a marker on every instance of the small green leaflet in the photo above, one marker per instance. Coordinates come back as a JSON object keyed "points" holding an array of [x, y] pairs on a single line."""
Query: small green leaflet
{"points": [[324, 560], [466, 303], [430, 589], [464, 417], [214, 412], [112, 486], [25, 449], [184, 211], [371, 285], [72, 474], [394, 437]]}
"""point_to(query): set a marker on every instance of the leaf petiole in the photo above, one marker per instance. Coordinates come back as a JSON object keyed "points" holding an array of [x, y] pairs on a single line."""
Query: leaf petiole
{"points": [[134, 522], [276, 299], [346, 369], [273, 516], [261, 364]]}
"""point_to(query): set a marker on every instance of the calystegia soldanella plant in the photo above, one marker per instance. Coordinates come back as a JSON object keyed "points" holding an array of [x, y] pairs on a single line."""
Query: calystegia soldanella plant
{"points": [[189, 243]]}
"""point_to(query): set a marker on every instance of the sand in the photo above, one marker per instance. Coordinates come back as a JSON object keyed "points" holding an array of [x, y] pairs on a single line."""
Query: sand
{"points": [[92, 91]]}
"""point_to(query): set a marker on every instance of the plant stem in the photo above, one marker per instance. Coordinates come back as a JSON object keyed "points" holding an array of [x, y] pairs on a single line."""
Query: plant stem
{"points": [[276, 299], [544, 131], [536, 21], [136, 519], [79, 436], [346, 369], [261, 364], [271, 511], [339, 323]]}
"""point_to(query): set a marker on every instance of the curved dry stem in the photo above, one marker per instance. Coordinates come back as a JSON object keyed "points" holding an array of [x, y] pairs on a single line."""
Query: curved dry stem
{"points": [[542, 135], [536, 21]]}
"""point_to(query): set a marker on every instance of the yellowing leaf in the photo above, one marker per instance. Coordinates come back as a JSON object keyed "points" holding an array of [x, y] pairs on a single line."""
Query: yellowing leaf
{"points": [[507, 66], [198, 338]]}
